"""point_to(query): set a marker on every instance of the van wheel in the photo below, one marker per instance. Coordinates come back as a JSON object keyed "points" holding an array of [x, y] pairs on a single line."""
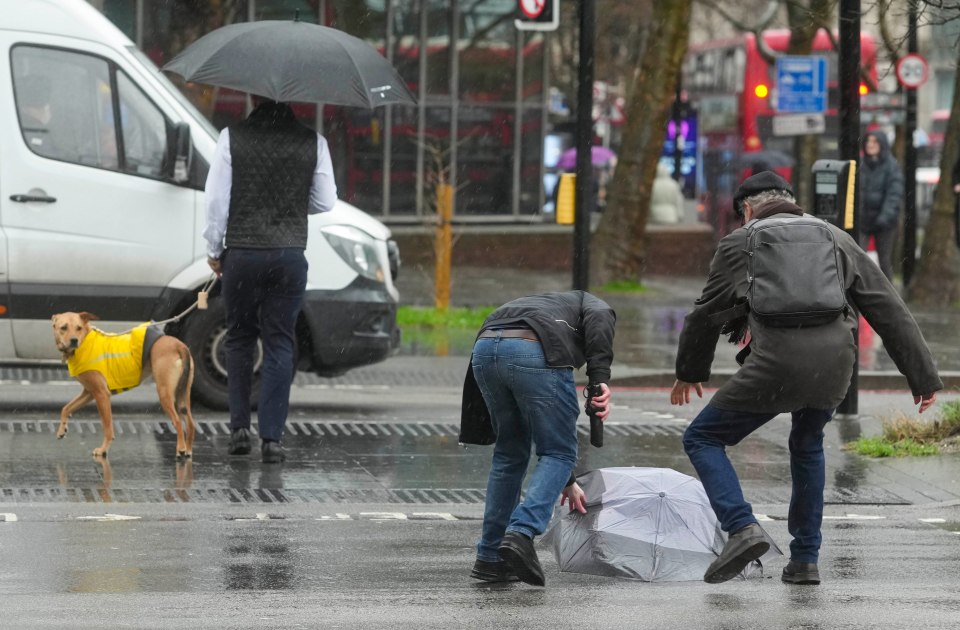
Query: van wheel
{"points": [[204, 332]]}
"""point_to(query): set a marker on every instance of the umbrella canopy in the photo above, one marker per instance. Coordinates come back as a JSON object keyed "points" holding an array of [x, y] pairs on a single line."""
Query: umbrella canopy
{"points": [[599, 156], [293, 61], [651, 524]]}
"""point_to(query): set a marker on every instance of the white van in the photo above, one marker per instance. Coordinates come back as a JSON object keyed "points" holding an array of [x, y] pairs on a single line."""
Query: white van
{"points": [[102, 168]]}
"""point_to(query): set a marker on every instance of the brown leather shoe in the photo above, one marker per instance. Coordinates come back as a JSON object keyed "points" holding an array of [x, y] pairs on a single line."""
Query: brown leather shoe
{"points": [[742, 548]]}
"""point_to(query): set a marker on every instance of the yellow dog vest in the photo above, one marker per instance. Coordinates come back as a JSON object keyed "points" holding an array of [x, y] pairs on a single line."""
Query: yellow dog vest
{"points": [[119, 357]]}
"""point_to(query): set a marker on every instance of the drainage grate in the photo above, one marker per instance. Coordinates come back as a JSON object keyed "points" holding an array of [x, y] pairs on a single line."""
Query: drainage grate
{"points": [[867, 495], [314, 428], [458, 496]]}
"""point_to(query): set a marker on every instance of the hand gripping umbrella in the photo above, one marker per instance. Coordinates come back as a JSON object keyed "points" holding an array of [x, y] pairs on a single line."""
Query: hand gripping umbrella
{"points": [[651, 524], [289, 60]]}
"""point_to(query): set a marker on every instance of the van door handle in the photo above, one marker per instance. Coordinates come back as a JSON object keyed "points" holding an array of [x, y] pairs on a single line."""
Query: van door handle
{"points": [[29, 198]]}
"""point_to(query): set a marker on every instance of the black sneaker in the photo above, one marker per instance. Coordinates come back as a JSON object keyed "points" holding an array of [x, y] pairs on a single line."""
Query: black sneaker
{"points": [[742, 548], [271, 452], [497, 571], [239, 442], [801, 573], [518, 552]]}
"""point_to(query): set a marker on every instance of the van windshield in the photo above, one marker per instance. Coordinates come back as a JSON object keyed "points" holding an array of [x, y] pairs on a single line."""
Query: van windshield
{"points": [[174, 90]]}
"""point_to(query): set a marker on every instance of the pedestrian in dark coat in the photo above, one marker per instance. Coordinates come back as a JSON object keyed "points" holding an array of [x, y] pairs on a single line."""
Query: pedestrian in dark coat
{"points": [[802, 371], [522, 378], [881, 193]]}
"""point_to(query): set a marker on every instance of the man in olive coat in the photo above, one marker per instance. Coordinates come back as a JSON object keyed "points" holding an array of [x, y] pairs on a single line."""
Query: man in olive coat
{"points": [[802, 371]]}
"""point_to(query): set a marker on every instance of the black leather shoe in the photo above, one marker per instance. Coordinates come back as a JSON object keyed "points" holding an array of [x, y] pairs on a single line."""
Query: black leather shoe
{"points": [[492, 572], [518, 552], [271, 452], [239, 442], [742, 548], [801, 573]]}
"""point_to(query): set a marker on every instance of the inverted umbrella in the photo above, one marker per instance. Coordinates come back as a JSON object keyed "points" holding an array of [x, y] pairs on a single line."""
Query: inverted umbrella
{"points": [[289, 60], [651, 524], [599, 156]]}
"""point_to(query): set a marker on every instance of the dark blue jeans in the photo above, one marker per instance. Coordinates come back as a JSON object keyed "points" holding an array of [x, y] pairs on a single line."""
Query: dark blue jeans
{"points": [[530, 404], [263, 291], [714, 429]]}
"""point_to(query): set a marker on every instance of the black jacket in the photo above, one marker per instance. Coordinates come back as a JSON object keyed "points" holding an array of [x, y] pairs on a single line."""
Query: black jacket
{"points": [[792, 368], [574, 327]]}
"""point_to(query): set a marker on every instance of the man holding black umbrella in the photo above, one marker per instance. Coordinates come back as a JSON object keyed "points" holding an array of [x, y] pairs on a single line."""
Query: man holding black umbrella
{"points": [[269, 172]]}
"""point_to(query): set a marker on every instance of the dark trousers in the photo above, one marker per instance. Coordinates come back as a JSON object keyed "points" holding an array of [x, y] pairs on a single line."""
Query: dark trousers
{"points": [[263, 291], [705, 442], [884, 242]]}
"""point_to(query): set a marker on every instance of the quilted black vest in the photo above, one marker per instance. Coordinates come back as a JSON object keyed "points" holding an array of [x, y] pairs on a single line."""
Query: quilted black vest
{"points": [[274, 158]]}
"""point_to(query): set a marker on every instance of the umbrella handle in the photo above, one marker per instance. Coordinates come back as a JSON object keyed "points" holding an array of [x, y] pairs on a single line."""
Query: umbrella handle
{"points": [[596, 425]]}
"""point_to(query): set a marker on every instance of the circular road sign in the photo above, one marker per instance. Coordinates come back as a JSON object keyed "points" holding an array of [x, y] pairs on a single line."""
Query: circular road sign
{"points": [[912, 70], [532, 8]]}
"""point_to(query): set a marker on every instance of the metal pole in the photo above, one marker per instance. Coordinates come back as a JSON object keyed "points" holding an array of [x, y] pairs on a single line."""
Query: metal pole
{"points": [[849, 84], [910, 160], [584, 142]]}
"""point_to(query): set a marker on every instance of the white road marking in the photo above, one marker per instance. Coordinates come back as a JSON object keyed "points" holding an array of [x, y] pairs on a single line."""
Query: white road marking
{"points": [[933, 520], [109, 517], [855, 517]]}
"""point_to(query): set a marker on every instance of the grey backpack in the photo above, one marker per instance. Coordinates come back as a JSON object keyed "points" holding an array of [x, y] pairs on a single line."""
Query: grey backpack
{"points": [[793, 273]]}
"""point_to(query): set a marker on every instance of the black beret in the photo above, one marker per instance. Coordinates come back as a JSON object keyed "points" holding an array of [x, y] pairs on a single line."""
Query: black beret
{"points": [[756, 184]]}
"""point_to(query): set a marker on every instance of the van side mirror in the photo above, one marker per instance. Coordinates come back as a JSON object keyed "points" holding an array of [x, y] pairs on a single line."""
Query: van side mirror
{"points": [[176, 166]]}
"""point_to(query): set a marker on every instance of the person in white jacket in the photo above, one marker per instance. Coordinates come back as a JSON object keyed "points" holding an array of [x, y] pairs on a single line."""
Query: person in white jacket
{"points": [[666, 199]]}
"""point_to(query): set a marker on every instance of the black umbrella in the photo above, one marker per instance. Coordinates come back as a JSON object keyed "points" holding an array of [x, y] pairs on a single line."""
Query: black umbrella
{"points": [[289, 60]]}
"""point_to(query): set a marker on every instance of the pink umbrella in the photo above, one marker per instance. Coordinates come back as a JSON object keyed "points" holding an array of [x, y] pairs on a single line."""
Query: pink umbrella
{"points": [[599, 156]]}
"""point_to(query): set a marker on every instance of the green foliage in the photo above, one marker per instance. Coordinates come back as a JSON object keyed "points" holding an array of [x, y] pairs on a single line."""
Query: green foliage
{"points": [[904, 435], [881, 447], [623, 286], [470, 318]]}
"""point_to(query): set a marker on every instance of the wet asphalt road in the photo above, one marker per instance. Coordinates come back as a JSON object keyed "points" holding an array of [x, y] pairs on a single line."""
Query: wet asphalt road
{"points": [[371, 523]]}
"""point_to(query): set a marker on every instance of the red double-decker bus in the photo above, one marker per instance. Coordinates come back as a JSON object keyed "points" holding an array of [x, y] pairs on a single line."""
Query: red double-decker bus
{"points": [[732, 88]]}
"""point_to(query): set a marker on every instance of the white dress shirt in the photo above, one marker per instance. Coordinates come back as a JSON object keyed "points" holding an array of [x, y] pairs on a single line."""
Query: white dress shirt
{"points": [[323, 190]]}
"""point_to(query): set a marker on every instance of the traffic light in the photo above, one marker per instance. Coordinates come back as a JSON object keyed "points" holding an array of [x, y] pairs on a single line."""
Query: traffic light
{"points": [[537, 15]]}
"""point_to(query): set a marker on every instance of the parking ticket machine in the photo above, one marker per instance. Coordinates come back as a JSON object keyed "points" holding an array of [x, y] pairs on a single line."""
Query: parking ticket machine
{"points": [[833, 191]]}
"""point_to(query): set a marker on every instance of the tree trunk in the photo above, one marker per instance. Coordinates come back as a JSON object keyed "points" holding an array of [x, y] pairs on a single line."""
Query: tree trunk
{"points": [[619, 245], [937, 278]]}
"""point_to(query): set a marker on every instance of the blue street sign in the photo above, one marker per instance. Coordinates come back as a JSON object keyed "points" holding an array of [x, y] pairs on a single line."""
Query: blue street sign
{"points": [[801, 84]]}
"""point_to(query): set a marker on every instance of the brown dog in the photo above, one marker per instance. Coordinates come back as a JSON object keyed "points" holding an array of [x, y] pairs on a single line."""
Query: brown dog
{"points": [[92, 365]]}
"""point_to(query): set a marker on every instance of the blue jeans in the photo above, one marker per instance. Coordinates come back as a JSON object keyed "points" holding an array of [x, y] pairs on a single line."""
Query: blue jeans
{"points": [[529, 403], [714, 429], [263, 291]]}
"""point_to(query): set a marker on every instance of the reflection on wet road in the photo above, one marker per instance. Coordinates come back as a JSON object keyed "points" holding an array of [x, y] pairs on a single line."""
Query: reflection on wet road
{"points": [[353, 461]]}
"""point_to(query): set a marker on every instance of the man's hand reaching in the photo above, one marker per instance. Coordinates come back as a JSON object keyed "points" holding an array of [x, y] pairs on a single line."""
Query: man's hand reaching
{"points": [[925, 401], [574, 493], [680, 394]]}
